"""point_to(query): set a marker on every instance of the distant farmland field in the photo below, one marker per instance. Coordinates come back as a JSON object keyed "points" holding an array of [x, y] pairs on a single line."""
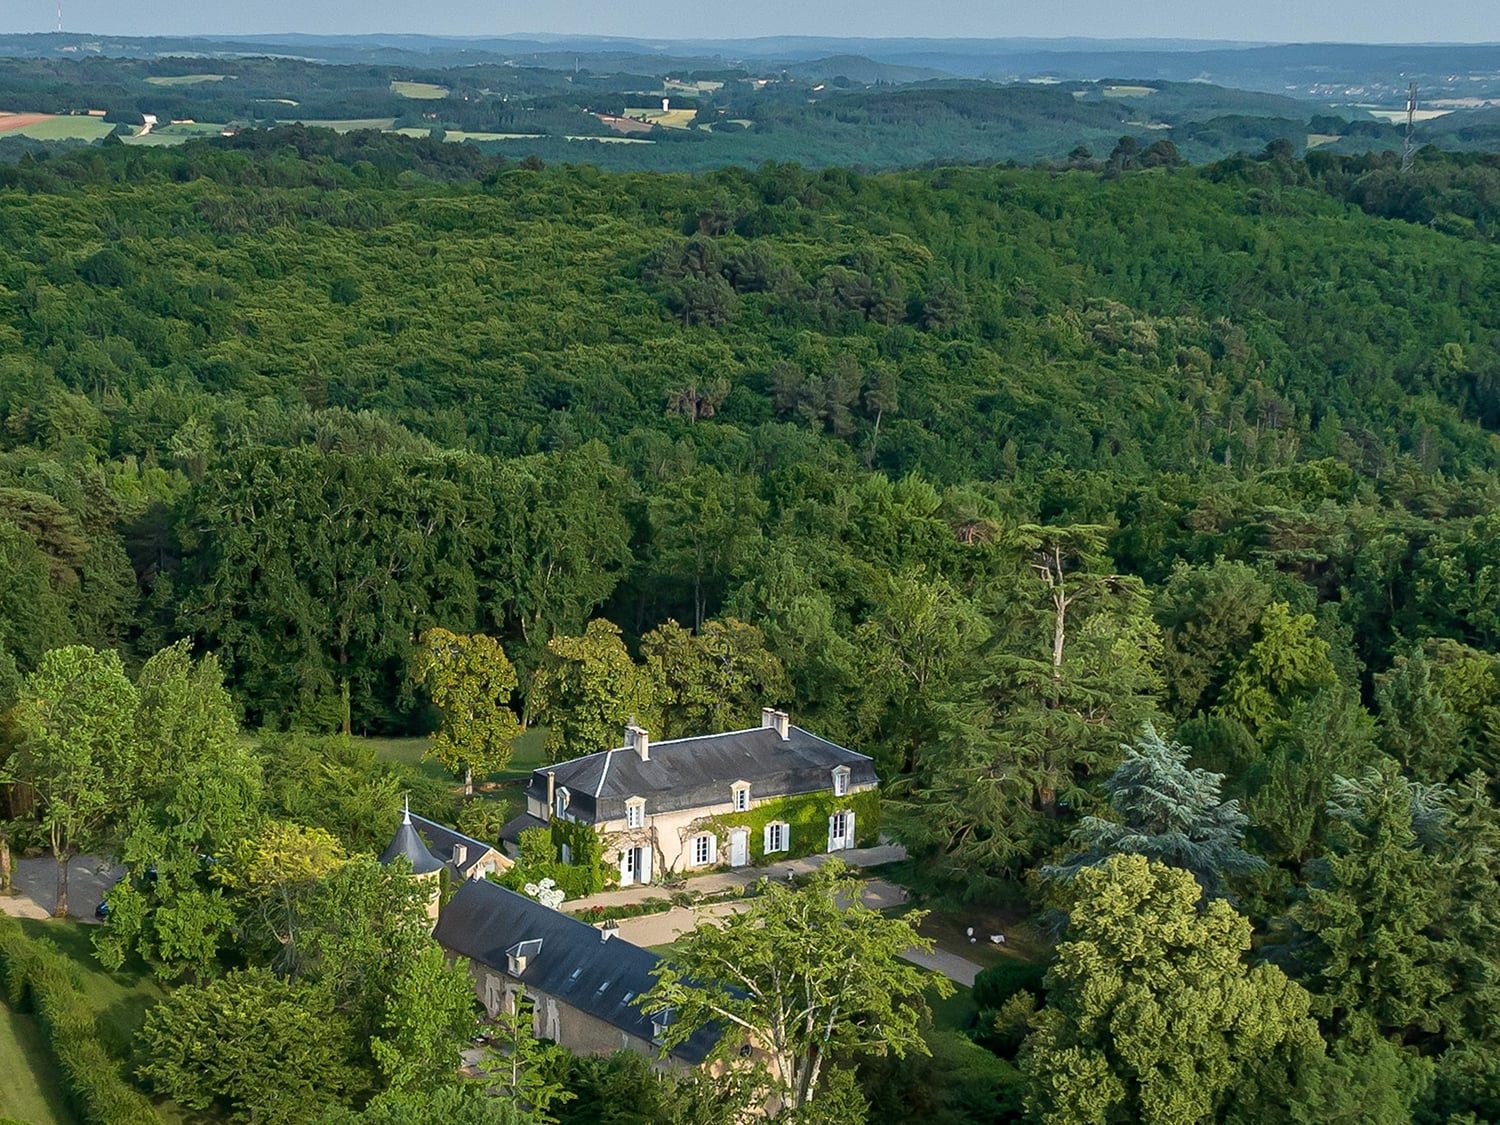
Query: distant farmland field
{"points": [[42, 127], [348, 125], [670, 119], [184, 79], [426, 91]]}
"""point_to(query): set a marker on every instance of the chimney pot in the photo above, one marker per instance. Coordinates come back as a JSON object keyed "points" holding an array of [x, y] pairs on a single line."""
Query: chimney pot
{"points": [[609, 929]]}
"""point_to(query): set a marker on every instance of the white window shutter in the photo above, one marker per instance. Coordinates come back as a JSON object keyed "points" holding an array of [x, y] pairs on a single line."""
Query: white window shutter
{"points": [[849, 830], [713, 850], [786, 837], [644, 874], [830, 834], [765, 846]]}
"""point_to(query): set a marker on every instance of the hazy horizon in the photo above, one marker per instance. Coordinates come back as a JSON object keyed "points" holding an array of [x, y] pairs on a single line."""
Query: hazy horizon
{"points": [[1275, 21]]}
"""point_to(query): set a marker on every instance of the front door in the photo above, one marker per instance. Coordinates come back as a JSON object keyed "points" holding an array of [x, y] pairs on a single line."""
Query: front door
{"points": [[739, 852], [628, 859]]}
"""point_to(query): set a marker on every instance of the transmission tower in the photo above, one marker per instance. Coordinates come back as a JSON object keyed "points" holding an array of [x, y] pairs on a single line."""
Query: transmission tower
{"points": [[1409, 149]]}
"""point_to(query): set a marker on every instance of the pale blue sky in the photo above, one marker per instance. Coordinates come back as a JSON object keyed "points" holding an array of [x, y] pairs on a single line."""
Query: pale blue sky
{"points": [[1385, 21]]}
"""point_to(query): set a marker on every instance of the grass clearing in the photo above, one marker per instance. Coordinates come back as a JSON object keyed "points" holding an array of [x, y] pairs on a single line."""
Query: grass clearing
{"points": [[507, 786], [1128, 91], [185, 79], [422, 91], [32, 1089], [949, 931], [118, 1000]]}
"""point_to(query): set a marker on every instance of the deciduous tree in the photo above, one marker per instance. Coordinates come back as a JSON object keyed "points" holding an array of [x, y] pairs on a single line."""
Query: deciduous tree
{"points": [[809, 974], [75, 719], [1152, 1014], [470, 680], [586, 690]]}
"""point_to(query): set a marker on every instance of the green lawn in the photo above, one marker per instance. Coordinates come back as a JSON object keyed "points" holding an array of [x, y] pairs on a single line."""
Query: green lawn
{"points": [[505, 785], [954, 1013], [31, 1090], [119, 1000]]}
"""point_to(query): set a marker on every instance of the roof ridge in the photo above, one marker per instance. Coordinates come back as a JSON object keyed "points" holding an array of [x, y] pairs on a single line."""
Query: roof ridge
{"points": [[608, 757], [830, 742], [450, 831]]}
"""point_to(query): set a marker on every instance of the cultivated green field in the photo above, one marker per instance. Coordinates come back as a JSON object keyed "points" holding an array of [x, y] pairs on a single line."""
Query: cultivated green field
{"points": [[176, 134], [668, 119], [65, 129], [423, 91], [185, 79], [342, 125], [30, 1090]]}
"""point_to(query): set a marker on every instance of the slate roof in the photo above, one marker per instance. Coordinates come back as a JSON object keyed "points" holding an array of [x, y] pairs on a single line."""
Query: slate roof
{"points": [[575, 965], [511, 832], [688, 773], [441, 842], [406, 842]]}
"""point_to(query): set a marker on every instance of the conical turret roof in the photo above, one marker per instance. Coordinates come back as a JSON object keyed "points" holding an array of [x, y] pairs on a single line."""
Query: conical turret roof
{"points": [[406, 842]]}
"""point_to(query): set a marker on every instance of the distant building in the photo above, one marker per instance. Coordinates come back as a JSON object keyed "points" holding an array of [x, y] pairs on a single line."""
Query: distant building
{"points": [[737, 799], [432, 850], [582, 982]]}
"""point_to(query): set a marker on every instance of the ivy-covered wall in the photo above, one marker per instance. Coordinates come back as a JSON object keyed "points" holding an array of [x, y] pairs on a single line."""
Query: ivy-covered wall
{"points": [[807, 816]]}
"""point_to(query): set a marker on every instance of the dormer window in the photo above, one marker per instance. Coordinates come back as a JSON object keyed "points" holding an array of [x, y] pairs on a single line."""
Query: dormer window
{"points": [[660, 1022], [519, 955], [635, 812], [561, 801], [741, 794], [841, 781]]}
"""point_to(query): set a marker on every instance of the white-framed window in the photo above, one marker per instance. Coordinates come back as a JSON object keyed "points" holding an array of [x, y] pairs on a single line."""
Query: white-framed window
{"points": [[635, 813], [778, 837], [841, 781], [567, 855], [561, 801], [703, 849], [839, 830], [742, 798]]}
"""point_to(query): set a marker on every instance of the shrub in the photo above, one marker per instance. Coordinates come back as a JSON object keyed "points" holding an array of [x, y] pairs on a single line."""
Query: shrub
{"points": [[997, 984]]}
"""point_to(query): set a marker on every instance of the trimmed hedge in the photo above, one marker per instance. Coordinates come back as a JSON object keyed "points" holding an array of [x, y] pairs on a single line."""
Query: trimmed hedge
{"points": [[38, 978]]}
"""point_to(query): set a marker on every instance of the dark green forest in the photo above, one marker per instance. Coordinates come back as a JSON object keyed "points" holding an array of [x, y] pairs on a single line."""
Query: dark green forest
{"points": [[1004, 466]]}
